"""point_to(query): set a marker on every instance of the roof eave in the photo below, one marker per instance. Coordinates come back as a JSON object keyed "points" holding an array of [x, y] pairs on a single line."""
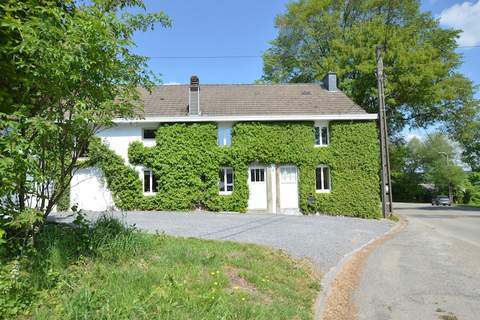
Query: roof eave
{"points": [[293, 117]]}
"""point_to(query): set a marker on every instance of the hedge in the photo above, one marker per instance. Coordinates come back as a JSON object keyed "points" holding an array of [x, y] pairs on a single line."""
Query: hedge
{"points": [[186, 161]]}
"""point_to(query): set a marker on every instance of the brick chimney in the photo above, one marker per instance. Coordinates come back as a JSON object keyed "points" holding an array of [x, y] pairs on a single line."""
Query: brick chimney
{"points": [[330, 81], [194, 97]]}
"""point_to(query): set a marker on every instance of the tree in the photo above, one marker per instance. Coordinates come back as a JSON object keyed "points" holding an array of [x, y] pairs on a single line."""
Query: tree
{"points": [[67, 71], [407, 165], [423, 83], [439, 156], [433, 161]]}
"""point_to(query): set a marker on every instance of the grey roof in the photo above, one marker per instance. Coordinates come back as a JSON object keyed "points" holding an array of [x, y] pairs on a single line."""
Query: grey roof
{"points": [[249, 99]]}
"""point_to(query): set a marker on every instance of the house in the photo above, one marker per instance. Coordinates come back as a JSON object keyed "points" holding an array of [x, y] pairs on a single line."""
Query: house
{"points": [[277, 148]]}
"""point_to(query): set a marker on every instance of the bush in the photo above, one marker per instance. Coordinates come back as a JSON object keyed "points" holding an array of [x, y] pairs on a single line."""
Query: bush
{"points": [[23, 278]]}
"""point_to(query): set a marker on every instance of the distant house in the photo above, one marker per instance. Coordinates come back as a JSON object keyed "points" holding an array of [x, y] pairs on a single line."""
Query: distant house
{"points": [[277, 148]]}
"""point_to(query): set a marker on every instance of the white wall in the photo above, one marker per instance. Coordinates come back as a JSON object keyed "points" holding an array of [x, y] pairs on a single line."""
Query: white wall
{"points": [[119, 137], [88, 188]]}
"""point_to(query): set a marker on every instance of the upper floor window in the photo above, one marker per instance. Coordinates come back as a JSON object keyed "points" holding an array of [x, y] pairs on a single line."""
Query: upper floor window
{"points": [[149, 134], [224, 135], [149, 181], [226, 180], [322, 137], [323, 180]]}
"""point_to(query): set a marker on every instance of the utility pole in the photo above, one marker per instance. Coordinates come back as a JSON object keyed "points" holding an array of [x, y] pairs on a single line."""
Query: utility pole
{"points": [[450, 196], [387, 201]]}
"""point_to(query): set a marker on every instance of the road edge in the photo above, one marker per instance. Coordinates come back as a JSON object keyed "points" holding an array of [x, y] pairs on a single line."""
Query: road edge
{"points": [[327, 283]]}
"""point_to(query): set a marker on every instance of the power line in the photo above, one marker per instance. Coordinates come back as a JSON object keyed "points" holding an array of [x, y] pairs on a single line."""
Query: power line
{"points": [[242, 56], [204, 57]]}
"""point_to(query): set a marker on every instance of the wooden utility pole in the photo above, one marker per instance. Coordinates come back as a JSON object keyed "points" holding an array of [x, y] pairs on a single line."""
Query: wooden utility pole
{"points": [[387, 206]]}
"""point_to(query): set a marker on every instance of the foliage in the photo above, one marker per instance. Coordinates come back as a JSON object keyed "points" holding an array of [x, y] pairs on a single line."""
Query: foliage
{"points": [[122, 180], [423, 83], [67, 71], [121, 273], [471, 194], [470, 141], [24, 278], [439, 162], [186, 161], [433, 161]]}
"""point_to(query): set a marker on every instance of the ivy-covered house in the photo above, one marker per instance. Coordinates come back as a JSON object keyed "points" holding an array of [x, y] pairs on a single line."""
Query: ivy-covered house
{"points": [[276, 148]]}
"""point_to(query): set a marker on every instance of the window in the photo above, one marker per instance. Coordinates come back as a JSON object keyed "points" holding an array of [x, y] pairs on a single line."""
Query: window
{"points": [[226, 180], [321, 135], [257, 175], [288, 174], [149, 134], [224, 135], [322, 174], [149, 181]]}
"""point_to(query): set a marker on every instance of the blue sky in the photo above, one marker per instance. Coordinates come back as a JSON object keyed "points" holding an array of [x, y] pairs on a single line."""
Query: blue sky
{"points": [[213, 28]]}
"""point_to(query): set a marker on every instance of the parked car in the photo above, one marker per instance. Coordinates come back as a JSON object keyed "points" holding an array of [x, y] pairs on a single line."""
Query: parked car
{"points": [[441, 201]]}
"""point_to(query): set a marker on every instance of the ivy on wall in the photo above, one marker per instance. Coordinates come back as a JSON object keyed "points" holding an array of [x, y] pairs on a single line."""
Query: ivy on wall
{"points": [[186, 161]]}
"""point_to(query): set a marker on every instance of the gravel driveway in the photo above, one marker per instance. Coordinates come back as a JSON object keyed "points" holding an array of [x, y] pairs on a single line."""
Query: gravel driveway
{"points": [[322, 239]]}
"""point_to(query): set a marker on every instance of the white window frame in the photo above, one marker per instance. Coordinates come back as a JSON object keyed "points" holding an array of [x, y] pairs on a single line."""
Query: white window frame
{"points": [[291, 176], [226, 184], [150, 171], [322, 179], [224, 126], [320, 125], [148, 139]]}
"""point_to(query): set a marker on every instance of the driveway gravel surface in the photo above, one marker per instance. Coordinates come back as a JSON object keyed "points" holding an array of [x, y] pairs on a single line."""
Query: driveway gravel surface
{"points": [[322, 239]]}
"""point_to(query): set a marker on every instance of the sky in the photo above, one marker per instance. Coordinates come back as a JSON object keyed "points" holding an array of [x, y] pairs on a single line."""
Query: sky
{"points": [[219, 28], [244, 28]]}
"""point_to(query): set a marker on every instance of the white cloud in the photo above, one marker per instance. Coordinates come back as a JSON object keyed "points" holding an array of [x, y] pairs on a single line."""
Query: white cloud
{"points": [[170, 83], [464, 16]]}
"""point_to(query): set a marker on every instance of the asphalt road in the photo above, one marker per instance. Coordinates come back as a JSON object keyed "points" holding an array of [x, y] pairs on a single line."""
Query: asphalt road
{"points": [[431, 270]]}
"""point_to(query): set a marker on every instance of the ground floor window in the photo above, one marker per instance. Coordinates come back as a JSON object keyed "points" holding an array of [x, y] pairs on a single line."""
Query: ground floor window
{"points": [[323, 181], [149, 181], [257, 175], [226, 180]]}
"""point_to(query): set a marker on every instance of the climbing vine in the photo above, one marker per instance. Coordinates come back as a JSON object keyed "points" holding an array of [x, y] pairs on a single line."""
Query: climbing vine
{"points": [[186, 161]]}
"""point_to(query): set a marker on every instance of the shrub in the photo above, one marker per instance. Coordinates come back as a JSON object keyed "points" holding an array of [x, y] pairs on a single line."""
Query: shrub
{"points": [[23, 278]]}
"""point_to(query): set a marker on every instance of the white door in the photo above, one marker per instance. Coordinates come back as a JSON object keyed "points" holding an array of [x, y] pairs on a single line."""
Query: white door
{"points": [[288, 187], [257, 186], [89, 191]]}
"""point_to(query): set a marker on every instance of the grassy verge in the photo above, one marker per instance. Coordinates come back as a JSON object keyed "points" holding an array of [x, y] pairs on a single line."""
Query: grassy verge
{"points": [[470, 205], [393, 217], [113, 272]]}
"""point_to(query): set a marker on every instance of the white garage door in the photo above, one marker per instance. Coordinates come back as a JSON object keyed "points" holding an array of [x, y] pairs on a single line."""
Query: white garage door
{"points": [[89, 190]]}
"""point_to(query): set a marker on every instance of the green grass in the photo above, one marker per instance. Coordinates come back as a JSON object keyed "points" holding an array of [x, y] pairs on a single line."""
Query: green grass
{"points": [[470, 205], [393, 217], [113, 272]]}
